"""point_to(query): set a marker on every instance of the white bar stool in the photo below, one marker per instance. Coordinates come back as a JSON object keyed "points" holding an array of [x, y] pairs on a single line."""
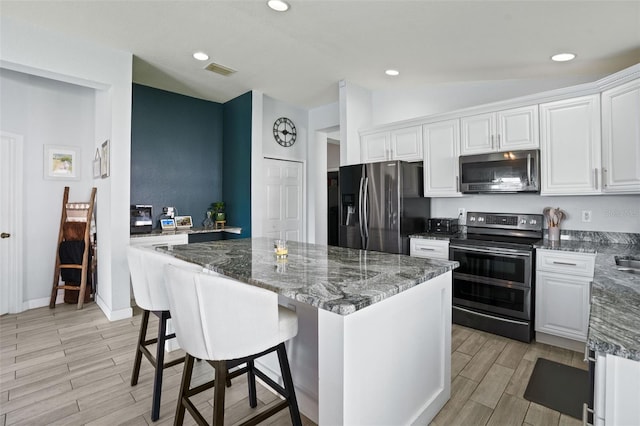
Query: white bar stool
{"points": [[147, 279], [229, 323]]}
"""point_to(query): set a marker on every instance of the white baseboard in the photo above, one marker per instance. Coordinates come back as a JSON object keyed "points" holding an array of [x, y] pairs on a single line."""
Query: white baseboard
{"points": [[41, 302], [561, 342], [113, 315]]}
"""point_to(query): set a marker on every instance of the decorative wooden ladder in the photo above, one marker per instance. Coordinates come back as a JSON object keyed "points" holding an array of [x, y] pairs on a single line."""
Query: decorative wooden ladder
{"points": [[74, 216]]}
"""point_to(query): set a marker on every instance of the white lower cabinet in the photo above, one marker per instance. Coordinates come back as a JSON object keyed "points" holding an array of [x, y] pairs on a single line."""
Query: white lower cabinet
{"points": [[435, 249], [616, 391], [563, 284]]}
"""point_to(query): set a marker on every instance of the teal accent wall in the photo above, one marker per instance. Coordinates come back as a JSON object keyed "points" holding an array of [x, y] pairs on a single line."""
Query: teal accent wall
{"points": [[176, 152], [236, 175]]}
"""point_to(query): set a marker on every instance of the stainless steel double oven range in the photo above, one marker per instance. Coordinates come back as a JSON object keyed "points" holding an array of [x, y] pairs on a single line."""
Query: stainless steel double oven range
{"points": [[494, 287]]}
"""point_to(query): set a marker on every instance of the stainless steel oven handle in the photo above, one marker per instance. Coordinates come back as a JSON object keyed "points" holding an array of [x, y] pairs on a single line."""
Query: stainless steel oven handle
{"points": [[505, 251], [489, 316]]}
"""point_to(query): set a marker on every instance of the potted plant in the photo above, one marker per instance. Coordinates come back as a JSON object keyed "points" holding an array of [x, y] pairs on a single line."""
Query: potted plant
{"points": [[218, 211]]}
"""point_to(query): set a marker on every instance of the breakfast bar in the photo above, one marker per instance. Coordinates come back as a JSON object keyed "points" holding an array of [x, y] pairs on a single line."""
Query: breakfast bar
{"points": [[374, 328]]}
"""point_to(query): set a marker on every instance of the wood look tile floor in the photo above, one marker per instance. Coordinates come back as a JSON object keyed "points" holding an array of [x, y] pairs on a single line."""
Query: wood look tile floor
{"points": [[69, 367]]}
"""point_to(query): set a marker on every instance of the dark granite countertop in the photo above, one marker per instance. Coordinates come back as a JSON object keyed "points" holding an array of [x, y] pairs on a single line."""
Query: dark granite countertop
{"points": [[430, 236], [198, 230], [336, 279], [614, 321]]}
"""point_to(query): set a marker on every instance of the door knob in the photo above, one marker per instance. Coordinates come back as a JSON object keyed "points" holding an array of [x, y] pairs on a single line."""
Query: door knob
{"points": [[5, 235]]}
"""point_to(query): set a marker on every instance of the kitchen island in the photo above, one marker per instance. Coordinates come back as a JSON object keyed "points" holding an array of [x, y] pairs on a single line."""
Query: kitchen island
{"points": [[374, 335]]}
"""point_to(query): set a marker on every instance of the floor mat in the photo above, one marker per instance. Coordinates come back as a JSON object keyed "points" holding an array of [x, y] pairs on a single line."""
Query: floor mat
{"points": [[557, 386]]}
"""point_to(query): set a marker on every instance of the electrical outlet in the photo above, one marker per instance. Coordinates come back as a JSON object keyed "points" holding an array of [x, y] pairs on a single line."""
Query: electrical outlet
{"points": [[462, 215], [586, 215]]}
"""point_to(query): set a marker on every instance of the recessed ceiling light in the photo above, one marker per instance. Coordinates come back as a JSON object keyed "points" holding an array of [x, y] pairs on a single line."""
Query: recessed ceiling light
{"points": [[563, 57], [201, 56], [392, 73], [278, 5]]}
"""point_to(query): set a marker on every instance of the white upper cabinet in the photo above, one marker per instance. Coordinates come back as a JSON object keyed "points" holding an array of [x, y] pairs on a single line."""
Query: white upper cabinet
{"points": [[621, 138], [441, 150], [406, 144], [402, 144], [570, 146], [375, 147], [512, 129]]}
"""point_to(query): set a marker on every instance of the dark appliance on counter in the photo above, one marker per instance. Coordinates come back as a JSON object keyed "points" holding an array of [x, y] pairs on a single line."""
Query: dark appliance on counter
{"points": [[141, 219], [381, 204], [500, 172], [494, 287], [441, 225]]}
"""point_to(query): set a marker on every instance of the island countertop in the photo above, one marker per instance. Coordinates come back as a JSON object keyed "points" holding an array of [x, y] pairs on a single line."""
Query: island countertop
{"points": [[336, 279]]}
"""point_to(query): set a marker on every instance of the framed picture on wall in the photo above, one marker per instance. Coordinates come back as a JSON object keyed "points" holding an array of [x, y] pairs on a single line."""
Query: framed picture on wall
{"points": [[96, 165], [104, 160], [61, 162]]}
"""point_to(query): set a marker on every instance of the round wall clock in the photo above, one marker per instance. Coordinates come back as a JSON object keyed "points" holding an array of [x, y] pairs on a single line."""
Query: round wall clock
{"points": [[284, 131]]}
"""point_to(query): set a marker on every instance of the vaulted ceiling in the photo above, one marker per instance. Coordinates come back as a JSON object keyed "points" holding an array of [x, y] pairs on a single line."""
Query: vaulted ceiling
{"points": [[299, 56]]}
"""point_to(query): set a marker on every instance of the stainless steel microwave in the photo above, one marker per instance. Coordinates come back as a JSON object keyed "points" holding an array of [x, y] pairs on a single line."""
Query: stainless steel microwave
{"points": [[500, 172]]}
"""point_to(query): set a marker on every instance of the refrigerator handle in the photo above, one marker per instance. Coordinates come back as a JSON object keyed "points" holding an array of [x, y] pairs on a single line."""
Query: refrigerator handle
{"points": [[360, 205], [366, 211]]}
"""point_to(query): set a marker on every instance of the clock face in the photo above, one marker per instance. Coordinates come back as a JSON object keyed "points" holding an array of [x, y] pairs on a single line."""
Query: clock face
{"points": [[284, 131]]}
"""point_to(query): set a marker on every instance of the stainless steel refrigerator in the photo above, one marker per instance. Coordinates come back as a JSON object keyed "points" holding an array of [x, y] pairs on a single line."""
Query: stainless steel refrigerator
{"points": [[381, 204]]}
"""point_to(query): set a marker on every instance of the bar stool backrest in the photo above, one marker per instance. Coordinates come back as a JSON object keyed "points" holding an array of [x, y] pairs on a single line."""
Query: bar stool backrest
{"points": [[147, 277], [217, 318]]}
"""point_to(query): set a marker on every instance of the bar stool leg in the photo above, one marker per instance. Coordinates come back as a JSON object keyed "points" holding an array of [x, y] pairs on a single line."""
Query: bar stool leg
{"points": [[251, 381], [142, 336], [157, 380], [288, 385], [184, 389], [218, 392]]}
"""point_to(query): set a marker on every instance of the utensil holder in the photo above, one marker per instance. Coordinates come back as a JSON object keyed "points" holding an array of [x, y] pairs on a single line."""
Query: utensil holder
{"points": [[554, 233]]}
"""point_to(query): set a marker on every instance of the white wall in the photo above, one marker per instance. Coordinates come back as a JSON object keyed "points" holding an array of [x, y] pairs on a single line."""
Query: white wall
{"points": [[46, 112], [355, 114], [333, 156], [58, 57], [265, 111], [612, 213], [389, 106], [322, 122]]}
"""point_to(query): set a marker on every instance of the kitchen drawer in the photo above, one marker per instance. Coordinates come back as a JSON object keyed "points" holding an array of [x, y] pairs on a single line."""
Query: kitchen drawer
{"points": [[437, 249], [564, 262]]}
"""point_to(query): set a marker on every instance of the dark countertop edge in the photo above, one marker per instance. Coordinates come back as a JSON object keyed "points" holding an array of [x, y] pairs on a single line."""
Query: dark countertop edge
{"points": [[199, 230]]}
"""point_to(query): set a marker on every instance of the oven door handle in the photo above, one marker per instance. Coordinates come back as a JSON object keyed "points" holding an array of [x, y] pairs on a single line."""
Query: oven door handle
{"points": [[489, 316], [503, 251]]}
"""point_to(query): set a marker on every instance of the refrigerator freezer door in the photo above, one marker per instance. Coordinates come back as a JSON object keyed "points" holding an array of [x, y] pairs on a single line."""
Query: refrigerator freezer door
{"points": [[383, 209], [351, 188]]}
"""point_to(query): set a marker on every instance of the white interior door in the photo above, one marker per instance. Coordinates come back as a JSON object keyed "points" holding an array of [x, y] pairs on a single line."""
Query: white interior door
{"points": [[283, 185], [11, 243]]}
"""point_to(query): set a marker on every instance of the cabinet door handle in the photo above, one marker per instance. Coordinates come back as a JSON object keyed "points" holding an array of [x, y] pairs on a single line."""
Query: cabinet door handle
{"points": [[604, 177], [555, 262], [427, 249], [458, 183], [595, 177], [498, 140], [492, 137]]}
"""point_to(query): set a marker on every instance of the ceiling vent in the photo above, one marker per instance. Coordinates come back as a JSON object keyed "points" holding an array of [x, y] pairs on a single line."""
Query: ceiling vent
{"points": [[219, 69]]}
